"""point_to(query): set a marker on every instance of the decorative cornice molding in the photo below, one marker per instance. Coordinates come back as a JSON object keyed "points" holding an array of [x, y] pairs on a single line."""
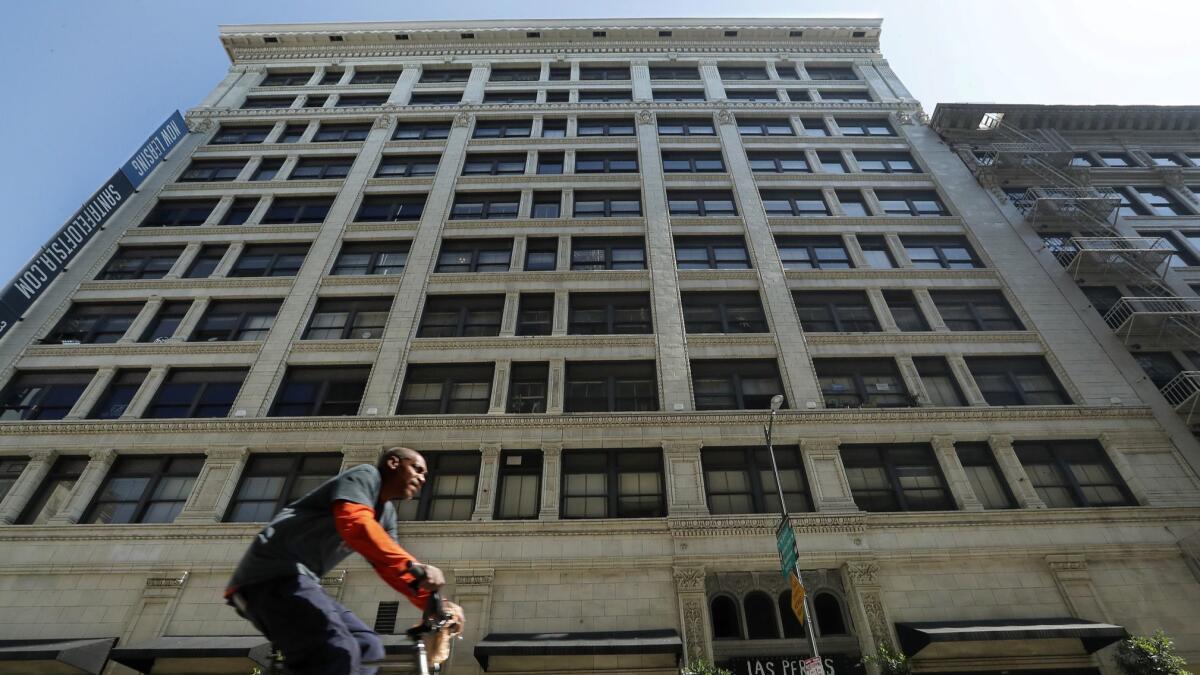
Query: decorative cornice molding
{"points": [[550, 278], [898, 338], [335, 346], [151, 286], [280, 187], [730, 340], [768, 50], [189, 234], [143, 349], [536, 342], [902, 273], [689, 579]]}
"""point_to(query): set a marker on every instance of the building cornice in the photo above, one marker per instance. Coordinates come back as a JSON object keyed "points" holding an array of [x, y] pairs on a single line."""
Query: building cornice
{"points": [[961, 120]]}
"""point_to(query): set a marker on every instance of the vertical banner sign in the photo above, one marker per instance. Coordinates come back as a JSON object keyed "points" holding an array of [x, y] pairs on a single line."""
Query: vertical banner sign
{"points": [[37, 275]]}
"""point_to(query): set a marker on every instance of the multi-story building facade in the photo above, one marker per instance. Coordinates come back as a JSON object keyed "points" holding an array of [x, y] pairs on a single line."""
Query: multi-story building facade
{"points": [[572, 262]]}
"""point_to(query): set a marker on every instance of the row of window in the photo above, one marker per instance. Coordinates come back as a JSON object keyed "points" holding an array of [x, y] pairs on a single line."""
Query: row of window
{"points": [[554, 128], [534, 73], [598, 483], [1135, 201], [1174, 158]]}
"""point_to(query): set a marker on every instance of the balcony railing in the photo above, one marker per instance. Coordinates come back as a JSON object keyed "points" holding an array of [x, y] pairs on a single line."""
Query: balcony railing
{"points": [[1183, 392], [1159, 321]]}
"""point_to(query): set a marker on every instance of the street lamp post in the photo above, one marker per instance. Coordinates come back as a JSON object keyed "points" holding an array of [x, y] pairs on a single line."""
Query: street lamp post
{"points": [[776, 404]]}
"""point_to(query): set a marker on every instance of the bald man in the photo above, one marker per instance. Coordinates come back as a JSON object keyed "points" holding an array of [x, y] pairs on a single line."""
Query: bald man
{"points": [[277, 585]]}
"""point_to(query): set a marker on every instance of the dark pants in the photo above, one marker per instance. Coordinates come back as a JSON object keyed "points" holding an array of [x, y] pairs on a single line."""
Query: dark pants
{"points": [[315, 634]]}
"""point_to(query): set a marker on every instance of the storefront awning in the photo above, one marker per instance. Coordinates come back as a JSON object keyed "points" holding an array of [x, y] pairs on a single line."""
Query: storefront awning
{"points": [[176, 653], [54, 656], [665, 641], [917, 636]]}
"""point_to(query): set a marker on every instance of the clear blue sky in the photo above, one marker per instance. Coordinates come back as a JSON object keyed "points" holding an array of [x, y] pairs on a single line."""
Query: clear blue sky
{"points": [[89, 80]]}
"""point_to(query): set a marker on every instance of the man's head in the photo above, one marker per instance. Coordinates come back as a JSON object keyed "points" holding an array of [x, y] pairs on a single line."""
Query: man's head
{"points": [[403, 471]]}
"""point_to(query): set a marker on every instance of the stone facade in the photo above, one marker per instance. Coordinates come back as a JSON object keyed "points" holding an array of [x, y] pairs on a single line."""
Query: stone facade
{"points": [[1128, 562]]}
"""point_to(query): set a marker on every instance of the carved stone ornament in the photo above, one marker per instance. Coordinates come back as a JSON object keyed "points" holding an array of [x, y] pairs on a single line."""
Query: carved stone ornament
{"points": [[740, 583], [863, 573], [383, 122], [873, 606], [42, 455], [645, 117], [199, 125], [167, 580], [905, 118], [462, 119], [689, 579], [693, 620], [724, 116], [1172, 177]]}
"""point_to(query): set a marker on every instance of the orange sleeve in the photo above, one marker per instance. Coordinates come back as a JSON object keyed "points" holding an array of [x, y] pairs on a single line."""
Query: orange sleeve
{"points": [[358, 528]]}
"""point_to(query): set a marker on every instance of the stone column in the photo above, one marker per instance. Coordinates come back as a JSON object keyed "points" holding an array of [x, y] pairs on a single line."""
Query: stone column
{"points": [[160, 597], [191, 318], [1124, 470], [795, 365], [86, 487], [826, 475], [1074, 583], [485, 491], [685, 478], [145, 316], [639, 73], [235, 73], [865, 600], [472, 590], [966, 381], [1014, 474], [694, 623], [674, 380], [91, 393], [26, 485], [235, 93], [932, 316], [215, 486], [956, 477], [477, 83], [562, 306], [353, 455], [404, 86], [145, 393], [551, 472], [556, 387], [879, 305], [508, 320], [714, 90], [500, 376]]}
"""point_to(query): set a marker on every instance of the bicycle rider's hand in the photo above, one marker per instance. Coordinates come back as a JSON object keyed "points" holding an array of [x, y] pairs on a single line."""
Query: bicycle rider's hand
{"points": [[434, 579]]}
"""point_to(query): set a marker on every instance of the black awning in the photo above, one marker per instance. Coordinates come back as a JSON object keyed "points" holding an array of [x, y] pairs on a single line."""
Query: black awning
{"points": [[916, 636], [88, 655], [664, 641], [141, 656]]}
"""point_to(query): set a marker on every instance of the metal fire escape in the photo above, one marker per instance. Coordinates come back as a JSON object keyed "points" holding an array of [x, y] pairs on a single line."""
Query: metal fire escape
{"points": [[1155, 316]]}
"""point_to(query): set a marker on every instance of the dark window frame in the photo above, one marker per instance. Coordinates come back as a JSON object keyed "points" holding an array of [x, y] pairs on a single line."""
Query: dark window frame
{"points": [[166, 468], [468, 310], [296, 472], [609, 246], [448, 377], [1015, 366], [616, 307], [55, 393], [837, 308], [858, 371], [476, 248], [440, 464], [735, 376], [610, 375], [278, 253], [895, 471], [333, 391], [711, 246], [148, 265], [376, 252], [355, 309], [730, 308], [246, 313], [199, 393], [1056, 455], [529, 464], [756, 464], [612, 460]]}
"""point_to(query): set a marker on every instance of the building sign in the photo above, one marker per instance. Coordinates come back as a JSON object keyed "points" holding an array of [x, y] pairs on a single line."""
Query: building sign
{"points": [[835, 664], [37, 275]]}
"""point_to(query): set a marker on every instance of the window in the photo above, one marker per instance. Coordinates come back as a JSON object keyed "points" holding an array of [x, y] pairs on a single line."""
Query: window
{"points": [[235, 135], [93, 324], [515, 75], [371, 257], [1016, 380], [1128, 206], [765, 127], [727, 624], [604, 127], [830, 73], [679, 95], [752, 95], [861, 383], [239, 212], [606, 162], [546, 205], [835, 312], [813, 253], [270, 260], [140, 263], [608, 254], [42, 395], [851, 96], [166, 321], [503, 128], [144, 490], [492, 165], [461, 316], [520, 485], [1181, 257], [212, 170], [288, 210], [554, 128], [778, 162], [196, 393], [10, 470], [446, 389], [674, 73], [366, 100], [364, 76], [609, 314], [527, 388], [421, 131], [799, 95], [875, 253], [541, 254], [266, 170], [449, 492], [952, 253], [474, 255], [853, 203], [344, 133], [535, 314], [328, 391], [1116, 159], [975, 310], [268, 102], [939, 381], [733, 312], [607, 204], [610, 386], [1160, 367], [613, 484], [55, 491], [692, 162], [384, 208], [407, 166], [179, 213], [605, 96], [1161, 202], [896, 203], [864, 127], [321, 168], [604, 73], [1069, 474], [272, 481], [740, 480], [711, 253], [886, 162], [735, 384], [895, 478], [550, 163], [1102, 297], [686, 127], [742, 73], [277, 79], [508, 97], [799, 203], [437, 75], [348, 319], [236, 321], [332, 76], [1082, 160], [786, 71], [905, 311], [706, 203], [292, 133], [485, 206], [116, 397], [987, 482]]}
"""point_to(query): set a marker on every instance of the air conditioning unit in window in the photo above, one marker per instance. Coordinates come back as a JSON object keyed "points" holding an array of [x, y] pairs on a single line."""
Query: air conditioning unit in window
{"points": [[162, 339], [70, 342]]}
